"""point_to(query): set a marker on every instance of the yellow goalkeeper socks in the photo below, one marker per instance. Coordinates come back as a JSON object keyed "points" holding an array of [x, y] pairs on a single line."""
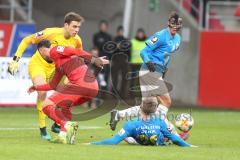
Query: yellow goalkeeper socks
{"points": [[41, 115]]}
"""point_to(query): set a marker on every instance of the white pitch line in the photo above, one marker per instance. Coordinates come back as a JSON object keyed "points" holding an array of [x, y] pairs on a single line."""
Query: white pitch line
{"points": [[80, 127], [12, 129], [90, 127]]}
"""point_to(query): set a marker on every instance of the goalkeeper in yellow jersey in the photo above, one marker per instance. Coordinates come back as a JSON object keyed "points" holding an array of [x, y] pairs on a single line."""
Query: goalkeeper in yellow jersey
{"points": [[41, 68]]}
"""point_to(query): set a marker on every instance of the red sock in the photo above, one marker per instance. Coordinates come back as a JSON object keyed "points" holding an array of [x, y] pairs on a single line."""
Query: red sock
{"points": [[55, 115]]}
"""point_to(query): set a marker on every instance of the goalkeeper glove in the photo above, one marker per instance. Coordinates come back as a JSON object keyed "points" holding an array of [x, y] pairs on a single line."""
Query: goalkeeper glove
{"points": [[13, 66], [151, 66]]}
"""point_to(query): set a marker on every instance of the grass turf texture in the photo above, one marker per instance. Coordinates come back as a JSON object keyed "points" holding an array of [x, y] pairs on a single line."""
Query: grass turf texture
{"points": [[215, 132]]}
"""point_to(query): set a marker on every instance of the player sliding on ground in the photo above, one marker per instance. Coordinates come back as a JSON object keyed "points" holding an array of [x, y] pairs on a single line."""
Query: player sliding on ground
{"points": [[41, 69], [147, 129], [82, 86], [156, 56]]}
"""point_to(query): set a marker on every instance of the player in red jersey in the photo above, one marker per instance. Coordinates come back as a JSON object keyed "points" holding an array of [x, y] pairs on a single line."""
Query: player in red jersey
{"points": [[82, 85]]}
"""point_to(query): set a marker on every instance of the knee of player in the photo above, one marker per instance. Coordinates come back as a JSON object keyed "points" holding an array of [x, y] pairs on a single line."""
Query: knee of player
{"points": [[93, 94], [41, 95], [94, 91], [165, 100], [168, 102]]}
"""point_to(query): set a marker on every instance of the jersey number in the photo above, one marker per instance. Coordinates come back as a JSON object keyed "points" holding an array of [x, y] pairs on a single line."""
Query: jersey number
{"points": [[153, 140]]}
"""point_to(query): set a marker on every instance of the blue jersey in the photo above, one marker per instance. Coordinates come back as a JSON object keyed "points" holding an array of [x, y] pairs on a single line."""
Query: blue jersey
{"points": [[159, 48], [150, 132]]}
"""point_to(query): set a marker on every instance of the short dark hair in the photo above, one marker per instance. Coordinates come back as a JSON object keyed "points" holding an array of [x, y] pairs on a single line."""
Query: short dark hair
{"points": [[173, 15], [72, 16], [175, 21], [140, 30], [119, 28], [103, 22], [44, 43], [149, 105]]}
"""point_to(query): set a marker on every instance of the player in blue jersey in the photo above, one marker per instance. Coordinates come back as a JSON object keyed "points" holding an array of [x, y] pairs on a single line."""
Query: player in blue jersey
{"points": [[156, 56], [147, 129]]}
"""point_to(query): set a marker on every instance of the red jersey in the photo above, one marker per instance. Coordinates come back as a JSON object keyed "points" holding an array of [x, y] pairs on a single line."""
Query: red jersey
{"points": [[67, 62]]}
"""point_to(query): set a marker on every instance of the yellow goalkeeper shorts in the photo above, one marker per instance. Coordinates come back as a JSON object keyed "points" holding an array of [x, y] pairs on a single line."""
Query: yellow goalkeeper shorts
{"points": [[39, 67]]}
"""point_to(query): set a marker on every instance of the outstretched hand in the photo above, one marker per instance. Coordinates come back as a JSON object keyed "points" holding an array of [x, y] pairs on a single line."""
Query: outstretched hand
{"points": [[151, 66], [193, 146], [86, 143], [31, 89], [100, 61]]}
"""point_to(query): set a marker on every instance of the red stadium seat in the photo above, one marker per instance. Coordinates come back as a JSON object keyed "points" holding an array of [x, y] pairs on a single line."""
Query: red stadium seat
{"points": [[187, 5], [215, 24], [237, 11]]}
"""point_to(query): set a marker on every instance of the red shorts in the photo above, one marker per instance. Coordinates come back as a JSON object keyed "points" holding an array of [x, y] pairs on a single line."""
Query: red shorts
{"points": [[71, 94]]}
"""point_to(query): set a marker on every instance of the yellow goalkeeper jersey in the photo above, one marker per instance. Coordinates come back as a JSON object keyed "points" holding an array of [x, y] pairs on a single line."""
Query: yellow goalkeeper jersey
{"points": [[54, 35], [37, 65]]}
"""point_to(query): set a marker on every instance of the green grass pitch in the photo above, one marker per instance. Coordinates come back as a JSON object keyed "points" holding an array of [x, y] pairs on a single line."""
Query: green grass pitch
{"points": [[215, 132]]}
